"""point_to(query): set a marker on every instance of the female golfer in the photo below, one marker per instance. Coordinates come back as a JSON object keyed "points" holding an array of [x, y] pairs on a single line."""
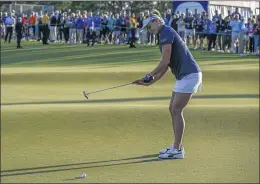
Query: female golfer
{"points": [[175, 55]]}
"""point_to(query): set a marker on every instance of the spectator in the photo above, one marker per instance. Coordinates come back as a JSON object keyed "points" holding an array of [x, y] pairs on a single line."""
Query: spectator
{"points": [[53, 28], [133, 24], [227, 38], [97, 24], [256, 37], [220, 32], [61, 29], [250, 36], [79, 29], [46, 30], [173, 22], [168, 14], [181, 26], [40, 28], [198, 24], [212, 34], [241, 38], [19, 32], [90, 22], [235, 25], [104, 28], [72, 31], [9, 23], [111, 24], [91, 37], [140, 20], [5, 15], [66, 29], [236, 13], [189, 28], [216, 16], [166, 21], [117, 30], [32, 24]]}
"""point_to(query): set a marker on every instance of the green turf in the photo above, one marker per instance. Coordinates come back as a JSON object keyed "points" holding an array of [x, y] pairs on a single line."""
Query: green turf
{"points": [[50, 133]]}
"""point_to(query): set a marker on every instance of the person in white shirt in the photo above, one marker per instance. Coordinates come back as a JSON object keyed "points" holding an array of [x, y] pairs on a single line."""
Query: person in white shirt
{"points": [[181, 26], [9, 23]]}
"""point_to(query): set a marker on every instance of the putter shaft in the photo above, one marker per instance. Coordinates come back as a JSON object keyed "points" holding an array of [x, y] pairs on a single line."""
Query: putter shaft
{"points": [[86, 94]]}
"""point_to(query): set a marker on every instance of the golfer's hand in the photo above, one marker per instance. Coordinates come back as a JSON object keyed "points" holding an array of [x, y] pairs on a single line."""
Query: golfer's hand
{"points": [[141, 82]]}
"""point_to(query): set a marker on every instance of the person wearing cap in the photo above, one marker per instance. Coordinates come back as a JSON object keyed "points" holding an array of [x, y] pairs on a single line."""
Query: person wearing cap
{"points": [[177, 57]]}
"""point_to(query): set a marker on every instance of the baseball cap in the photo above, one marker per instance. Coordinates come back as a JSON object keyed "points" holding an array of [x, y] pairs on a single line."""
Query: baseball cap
{"points": [[146, 21]]}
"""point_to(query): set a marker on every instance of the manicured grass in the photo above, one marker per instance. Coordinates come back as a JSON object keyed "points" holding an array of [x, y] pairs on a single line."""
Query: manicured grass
{"points": [[50, 133]]}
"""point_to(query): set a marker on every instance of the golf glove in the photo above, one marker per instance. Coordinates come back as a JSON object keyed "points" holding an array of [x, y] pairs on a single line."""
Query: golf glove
{"points": [[148, 78]]}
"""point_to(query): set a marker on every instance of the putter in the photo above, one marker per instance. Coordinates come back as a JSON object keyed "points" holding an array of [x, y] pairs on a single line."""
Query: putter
{"points": [[86, 94]]}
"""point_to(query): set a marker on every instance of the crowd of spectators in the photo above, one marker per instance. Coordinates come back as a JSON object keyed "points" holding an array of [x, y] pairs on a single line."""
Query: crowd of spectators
{"points": [[224, 34]]}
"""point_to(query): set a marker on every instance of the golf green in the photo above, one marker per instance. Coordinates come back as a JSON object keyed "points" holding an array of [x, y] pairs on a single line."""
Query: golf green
{"points": [[51, 134]]}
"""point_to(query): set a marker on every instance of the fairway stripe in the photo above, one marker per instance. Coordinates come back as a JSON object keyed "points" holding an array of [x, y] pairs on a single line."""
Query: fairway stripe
{"points": [[134, 105], [60, 50], [81, 56]]}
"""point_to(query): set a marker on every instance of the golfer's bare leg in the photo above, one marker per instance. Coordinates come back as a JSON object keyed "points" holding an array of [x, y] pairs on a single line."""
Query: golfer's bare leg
{"points": [[170, 109], [179, 102]]}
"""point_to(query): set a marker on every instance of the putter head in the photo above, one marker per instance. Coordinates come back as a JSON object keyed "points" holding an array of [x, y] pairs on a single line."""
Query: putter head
{"points": [[85, 94]]}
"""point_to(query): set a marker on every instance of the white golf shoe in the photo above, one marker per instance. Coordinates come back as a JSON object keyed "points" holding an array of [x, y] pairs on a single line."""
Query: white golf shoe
{"points": [[170, 153]]}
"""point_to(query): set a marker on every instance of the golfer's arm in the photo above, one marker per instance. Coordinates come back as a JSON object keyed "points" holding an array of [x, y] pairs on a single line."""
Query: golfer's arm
{"points": [[159, 75], [166, 56]]}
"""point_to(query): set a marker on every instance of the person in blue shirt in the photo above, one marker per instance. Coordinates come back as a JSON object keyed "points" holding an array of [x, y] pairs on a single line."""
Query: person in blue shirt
{"points": [[97, 24], [177, 57], [90, 22], [235, 25], [80, 28]]}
